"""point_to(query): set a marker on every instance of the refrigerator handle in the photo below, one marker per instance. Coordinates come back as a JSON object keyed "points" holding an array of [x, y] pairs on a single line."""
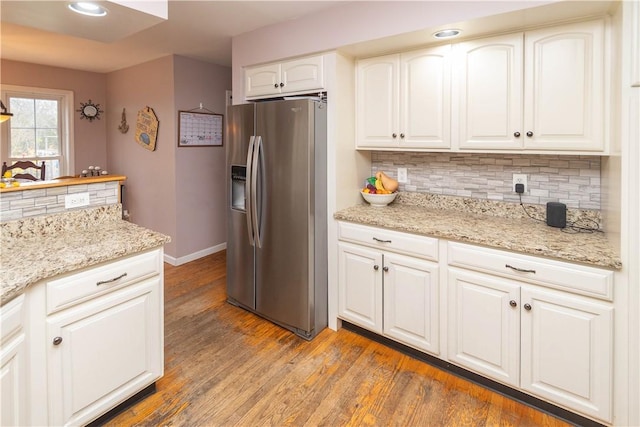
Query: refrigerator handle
{"points": [[248, 192], [257, 153]]}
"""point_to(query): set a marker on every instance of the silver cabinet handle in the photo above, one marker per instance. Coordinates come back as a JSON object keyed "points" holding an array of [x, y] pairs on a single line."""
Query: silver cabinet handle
{"points": [[513, 303], [57, 340], [104, 282], [385, 268], [381, 241], [527, 307], [522, 270], [376, 267]]}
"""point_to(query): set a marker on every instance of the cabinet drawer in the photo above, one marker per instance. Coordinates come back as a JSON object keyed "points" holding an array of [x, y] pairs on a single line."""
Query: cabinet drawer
{"points": [[77, 287], [11, 317], [405, 243], [575, 278]]}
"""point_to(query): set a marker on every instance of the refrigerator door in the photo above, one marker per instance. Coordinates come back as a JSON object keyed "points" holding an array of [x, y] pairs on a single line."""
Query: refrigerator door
{"points": [[284, 265], [240, 252]]}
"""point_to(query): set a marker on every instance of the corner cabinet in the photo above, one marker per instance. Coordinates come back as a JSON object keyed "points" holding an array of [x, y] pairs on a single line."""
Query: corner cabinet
{"points": [[285, 78], [389, 284], [545, 327], [98, 338], [403, 100]]}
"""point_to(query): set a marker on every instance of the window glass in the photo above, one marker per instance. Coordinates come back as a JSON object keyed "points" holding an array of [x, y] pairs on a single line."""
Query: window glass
{"points": [[35, 131]]}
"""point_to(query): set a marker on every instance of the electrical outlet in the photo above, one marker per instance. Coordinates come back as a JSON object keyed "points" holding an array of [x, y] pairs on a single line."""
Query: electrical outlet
{"points": [[402, 175], [519, 178], [76, 200]]}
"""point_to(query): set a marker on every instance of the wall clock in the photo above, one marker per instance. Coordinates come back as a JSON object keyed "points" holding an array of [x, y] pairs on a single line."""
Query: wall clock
{"points": [[88, 110]]}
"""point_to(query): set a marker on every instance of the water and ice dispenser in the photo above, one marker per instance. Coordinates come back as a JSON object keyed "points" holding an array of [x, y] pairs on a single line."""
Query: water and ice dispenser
{"points": [[238, 182]]}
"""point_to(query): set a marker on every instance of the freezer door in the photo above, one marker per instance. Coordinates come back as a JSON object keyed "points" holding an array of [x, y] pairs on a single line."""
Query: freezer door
{"points": [[284, 270], [240, 253]]}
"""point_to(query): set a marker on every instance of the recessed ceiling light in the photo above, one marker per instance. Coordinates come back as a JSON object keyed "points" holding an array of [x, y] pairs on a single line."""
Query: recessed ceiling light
{"points": [[446, 34], [87, 8]]}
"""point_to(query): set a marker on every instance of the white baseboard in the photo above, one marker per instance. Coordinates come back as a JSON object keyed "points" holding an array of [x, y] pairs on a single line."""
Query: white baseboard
{"points": [[194, 256]]}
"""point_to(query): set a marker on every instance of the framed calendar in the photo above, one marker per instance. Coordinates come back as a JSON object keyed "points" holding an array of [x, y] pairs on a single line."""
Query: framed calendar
{"points": [[197, 129]]}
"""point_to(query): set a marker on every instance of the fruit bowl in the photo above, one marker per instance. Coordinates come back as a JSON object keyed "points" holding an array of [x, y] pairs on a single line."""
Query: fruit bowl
{"points": [[379, 200]]}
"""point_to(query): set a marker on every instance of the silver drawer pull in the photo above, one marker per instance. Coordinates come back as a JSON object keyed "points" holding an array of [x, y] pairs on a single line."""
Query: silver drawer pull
{"points": [[381, 241], [104, 282], [522, 270]]}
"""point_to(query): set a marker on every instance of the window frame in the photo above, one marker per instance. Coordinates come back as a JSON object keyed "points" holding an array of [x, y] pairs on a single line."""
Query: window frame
{"points": [[67, 163]]}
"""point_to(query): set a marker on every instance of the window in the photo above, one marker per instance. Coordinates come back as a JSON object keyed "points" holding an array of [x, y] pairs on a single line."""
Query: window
{"points": [[39, 129]]}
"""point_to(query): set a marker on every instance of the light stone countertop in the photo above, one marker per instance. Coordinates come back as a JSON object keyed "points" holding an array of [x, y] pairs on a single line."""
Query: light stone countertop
{"points": [[38, 248], [489, 224]]}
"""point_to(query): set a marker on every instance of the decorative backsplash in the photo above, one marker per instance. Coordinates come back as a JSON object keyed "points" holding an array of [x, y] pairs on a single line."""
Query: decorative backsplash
{"points": [[573, 180], [29, 203]]}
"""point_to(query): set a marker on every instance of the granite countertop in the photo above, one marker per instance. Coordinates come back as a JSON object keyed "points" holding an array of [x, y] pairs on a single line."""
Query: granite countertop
{"points": [[42, 247], [493, 224]]}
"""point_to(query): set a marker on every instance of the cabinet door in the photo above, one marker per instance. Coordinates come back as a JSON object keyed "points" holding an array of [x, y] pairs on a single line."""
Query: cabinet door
{"points": [[360, 286], [13, 374], [262, 80], [484, 324], [111, 347], [564, 87], [487, 93], [425, 87], [13, 377], [567, 350], [302, 75], [411, 302], [377, 89]]}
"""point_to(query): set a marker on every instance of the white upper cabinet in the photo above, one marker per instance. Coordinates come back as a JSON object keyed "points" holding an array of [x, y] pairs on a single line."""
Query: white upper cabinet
{"points": [[283, 78], [541, 90], [488, 93], [634, 14], [377, 101], [564, 88], [403, 100]]}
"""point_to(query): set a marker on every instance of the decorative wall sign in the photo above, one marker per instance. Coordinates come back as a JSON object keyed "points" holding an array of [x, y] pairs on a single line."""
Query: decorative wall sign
{"points": [[147, 128], [199, 129], [88, 110]]}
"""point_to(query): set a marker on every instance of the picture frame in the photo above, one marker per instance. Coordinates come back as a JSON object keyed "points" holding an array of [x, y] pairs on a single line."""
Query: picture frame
{"points": [[197, 129]]}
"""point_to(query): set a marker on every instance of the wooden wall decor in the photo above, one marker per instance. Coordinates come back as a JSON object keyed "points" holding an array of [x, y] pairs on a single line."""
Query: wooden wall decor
{"points": [[147, 128]]}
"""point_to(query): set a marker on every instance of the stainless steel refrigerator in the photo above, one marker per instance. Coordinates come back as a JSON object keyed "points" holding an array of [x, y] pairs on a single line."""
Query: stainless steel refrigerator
{"points": [[277, 213]]}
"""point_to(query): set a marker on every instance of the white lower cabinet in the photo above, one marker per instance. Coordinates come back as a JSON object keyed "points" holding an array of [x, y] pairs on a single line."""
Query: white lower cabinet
{"points": [[484, 324], [95, 338], [552, 344], [387, 292], [13, 374], [103, 351]]}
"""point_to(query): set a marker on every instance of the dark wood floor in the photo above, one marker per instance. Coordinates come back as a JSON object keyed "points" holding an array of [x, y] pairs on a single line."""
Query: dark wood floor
{"points": [[227, 367]]}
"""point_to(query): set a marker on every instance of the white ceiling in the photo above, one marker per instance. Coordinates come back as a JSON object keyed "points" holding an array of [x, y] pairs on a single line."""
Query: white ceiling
{"points": [[46, 32]]}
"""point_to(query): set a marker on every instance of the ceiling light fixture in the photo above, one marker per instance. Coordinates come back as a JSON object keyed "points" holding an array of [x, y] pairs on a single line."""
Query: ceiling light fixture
{"points": [[447, 34], [4, 114], [87, 8]]}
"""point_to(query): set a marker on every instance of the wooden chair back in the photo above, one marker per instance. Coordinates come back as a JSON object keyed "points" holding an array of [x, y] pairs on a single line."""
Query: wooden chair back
{"points": [[25, 164]]}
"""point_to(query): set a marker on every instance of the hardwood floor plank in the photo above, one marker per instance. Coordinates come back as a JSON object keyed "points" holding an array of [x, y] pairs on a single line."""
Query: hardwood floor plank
{"points": [[225, 367]]}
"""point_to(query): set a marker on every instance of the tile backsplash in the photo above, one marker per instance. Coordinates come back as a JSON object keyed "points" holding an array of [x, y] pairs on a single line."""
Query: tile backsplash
{"points": [[29, 203], [573, 180]]}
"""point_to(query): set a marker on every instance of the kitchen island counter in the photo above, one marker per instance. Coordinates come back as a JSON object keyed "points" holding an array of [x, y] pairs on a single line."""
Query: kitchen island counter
{"points": [[493, 224], [42, 247]]}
